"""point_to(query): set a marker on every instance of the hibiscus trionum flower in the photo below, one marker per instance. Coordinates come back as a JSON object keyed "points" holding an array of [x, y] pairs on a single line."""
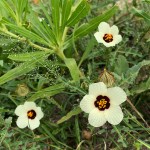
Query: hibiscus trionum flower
{"points": [[29, 115], [102, 104], [107, 35]]}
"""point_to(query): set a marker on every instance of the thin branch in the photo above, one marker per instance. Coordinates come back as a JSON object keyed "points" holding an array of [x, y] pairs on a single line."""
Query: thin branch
{"points": [[133, 107]]}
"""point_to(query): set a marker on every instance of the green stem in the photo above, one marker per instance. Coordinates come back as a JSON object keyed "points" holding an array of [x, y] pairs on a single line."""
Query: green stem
{"points": [[120, 136], [24, 39], [38, 47], [64, 35], [20, 131], [10, 97], [12, 35], [108, 52], [60, 53]]}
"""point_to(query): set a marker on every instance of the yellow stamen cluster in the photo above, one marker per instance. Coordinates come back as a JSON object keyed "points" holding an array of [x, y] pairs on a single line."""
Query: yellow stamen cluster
{"points": [[30, 114], [102, 103], [108, 38]]}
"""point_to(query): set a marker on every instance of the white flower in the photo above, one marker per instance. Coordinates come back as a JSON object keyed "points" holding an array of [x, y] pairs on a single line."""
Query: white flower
{"points": [[108, 35], [29, 115], [102, 104]]}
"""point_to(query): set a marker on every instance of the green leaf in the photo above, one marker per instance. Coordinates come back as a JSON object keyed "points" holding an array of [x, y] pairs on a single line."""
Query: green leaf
{"points": [[54, 102], [26, 33], [16, 9], [88, 49], [55, 7], [21, 7], [148, 1], [142, 14], [81, 11], [7, 8], [47, 131], [27, 56], [143, 143], [73, 68], [50, 91], [42, 29], [1, 62], [133, 71], [73, 112], [148, 40], [7, 41], [122, 65], [93, 24], [46, 13], [144, 86], [66, 9], [20, 70]]}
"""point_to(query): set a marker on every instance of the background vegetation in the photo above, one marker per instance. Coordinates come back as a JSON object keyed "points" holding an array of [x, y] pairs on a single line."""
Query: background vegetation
{"points": [[51, 59]]}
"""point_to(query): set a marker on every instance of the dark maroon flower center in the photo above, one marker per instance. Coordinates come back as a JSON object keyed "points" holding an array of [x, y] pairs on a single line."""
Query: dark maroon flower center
{"points": [[31, 114], [102, 102], [108, 38]]}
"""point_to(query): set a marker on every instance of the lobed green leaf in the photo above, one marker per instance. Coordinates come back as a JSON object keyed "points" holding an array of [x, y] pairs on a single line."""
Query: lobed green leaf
{"points": [[144, 86], [122, 65], [132, 72]]}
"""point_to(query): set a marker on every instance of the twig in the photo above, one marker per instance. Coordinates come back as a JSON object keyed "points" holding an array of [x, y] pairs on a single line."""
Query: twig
{"points": [[133, 107]]}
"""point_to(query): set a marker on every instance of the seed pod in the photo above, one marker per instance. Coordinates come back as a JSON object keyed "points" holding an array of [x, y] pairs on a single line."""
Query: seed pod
{"points": [[86, 134], [107, 78], [22, 89]]}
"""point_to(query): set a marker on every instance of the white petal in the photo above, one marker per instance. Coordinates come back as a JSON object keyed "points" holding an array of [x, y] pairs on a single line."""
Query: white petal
{"points": [[87, 103], [104, 27], [114, 115], [99, 37], [20, 110], [96, 118], [39, 113], [109, 44], [33, 123], [116, 95], [97, 89], [22, 121], [29, 105], [114, 30], [117, 38]]}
